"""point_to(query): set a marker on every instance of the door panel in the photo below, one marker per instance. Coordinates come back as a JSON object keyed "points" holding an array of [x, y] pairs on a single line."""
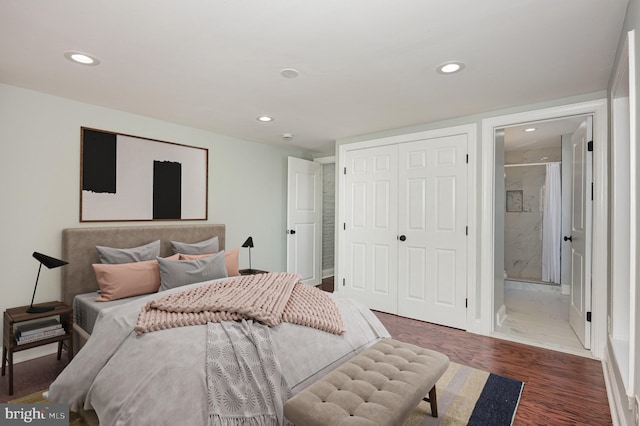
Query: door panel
{"points": [[417, 271], [304, 219], [446, 203], [382, 283], [446, 264], [371, 227], [432, 200], [417, 217], [358, 275], [581, 208]]}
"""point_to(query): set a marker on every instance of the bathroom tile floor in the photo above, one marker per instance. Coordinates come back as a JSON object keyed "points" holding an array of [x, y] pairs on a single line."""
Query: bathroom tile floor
{"points": [[538, 314]]}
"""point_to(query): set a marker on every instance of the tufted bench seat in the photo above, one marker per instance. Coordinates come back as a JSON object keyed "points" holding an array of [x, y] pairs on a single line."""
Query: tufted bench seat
{"points": [[382, 385]]}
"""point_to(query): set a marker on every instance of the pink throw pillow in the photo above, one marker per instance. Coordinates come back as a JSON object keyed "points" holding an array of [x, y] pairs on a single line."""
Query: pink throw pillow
{"points": [[230, 257], [117, 281]]}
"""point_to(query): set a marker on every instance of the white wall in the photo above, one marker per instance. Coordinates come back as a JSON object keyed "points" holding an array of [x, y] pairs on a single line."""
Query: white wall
{"points": [[40, 178], [632, 22]]}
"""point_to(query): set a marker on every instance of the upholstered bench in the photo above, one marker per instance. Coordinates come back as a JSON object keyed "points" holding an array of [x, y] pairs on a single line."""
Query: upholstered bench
{"points": [[382, 385]]}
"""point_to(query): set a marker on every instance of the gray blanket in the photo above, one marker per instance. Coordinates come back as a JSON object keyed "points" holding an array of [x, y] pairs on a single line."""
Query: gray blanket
{"points": [[244, 379], [159, 378]]}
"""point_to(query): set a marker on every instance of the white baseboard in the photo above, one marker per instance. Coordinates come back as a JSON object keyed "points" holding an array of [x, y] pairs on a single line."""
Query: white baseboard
{"points": [[620, 414], [501, 315]]}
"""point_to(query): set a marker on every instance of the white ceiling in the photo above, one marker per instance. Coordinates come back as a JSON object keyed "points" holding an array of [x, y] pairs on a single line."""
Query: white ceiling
{"points": [[365, 65], [547, 134]]}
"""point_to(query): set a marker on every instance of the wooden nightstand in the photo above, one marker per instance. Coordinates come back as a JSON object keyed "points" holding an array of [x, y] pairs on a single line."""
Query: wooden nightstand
{"points": [[15, 316], [252, 271]]}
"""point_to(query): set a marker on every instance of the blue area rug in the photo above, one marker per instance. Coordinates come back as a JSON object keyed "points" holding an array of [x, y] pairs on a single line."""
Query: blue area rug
{"points": [[468, 396]]}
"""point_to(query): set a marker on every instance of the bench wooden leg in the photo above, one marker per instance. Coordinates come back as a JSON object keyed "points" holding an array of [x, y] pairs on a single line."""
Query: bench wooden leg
{"points": [[432, 399]]}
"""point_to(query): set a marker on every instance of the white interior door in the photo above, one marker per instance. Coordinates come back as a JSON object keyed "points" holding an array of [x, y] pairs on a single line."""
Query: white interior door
{"points": [[370, 227], [432, 279], [581, 210], [304, 219]]}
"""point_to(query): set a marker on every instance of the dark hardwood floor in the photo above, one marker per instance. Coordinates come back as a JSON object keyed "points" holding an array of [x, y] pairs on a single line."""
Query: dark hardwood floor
{"points": [[560, 389], [32, 376]]}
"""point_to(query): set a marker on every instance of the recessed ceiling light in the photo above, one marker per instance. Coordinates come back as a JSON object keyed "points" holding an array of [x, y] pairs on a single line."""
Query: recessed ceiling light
{"points": [[289, 73], [81, 58], [530, 129], [264, 118], [450, 67]]}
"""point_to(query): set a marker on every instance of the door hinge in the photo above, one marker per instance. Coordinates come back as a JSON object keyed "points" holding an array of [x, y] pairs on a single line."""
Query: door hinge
{"points": [[466, 231], [344, 282], [466, 303], [467, 158], [591, 191], [590, 146], [345, 170], [588, 316], [344, 226]]}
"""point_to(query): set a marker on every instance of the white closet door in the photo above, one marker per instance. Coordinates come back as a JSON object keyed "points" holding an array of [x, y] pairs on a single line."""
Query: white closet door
{"points": [[432, 199], [371, 227]]}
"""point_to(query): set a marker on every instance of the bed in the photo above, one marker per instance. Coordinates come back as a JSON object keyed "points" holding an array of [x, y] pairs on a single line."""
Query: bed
{"points": [[79, 249], [169, 376]]}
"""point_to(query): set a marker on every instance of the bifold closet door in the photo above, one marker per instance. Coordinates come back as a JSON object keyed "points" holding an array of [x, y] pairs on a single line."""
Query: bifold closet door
{"points": [[371, 224], [432, 256], [405, 229]]}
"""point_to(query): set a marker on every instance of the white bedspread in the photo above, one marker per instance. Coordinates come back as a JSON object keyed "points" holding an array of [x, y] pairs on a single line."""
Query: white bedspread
{"points": [[160, 378]]}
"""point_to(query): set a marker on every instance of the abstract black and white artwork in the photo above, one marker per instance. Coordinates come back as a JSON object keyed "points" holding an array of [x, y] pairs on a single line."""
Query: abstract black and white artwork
{"points": [[129, 178]]}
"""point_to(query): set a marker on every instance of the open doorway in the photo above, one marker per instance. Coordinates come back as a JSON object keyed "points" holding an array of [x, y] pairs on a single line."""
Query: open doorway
{"points": [[492, 246], [534, 170]]}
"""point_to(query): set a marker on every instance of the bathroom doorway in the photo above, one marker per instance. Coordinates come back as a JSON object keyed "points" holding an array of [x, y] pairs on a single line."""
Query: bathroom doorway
{"points": [[535, 218]]}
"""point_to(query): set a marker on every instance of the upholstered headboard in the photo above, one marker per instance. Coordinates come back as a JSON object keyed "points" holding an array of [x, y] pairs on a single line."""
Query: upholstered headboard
{"points": [[78, 248]]}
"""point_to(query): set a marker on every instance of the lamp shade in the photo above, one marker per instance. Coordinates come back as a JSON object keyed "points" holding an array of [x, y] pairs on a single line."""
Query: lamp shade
{"points": [[48, 261], [248, 243]]}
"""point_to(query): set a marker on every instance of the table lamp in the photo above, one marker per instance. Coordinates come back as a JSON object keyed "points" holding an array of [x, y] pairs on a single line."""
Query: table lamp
{"points": [[49, 262], [249, 244]]}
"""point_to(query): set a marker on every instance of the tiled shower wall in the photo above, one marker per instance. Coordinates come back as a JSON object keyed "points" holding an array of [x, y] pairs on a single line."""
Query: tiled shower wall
{"points": [[523, 230]]}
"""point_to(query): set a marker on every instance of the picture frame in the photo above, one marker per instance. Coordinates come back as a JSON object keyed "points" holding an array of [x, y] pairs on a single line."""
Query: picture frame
{"points": [[514, 201], [131, 178]]}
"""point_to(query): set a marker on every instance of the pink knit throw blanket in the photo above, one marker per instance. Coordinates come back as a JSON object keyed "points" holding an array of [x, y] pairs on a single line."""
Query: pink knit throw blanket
{"points": [[269, 298]]}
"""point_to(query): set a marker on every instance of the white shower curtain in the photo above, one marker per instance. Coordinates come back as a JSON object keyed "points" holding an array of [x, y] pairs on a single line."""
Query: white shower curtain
{"points": [[552, 225]]}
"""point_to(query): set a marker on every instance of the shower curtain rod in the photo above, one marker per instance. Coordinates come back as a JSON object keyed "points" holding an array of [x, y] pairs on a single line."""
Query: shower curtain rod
{"points": [[533, 164]]}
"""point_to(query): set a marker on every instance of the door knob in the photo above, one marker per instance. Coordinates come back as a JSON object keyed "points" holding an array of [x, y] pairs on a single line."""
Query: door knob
{"points": [[568, 238], [291, 231], [402, 238]]}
